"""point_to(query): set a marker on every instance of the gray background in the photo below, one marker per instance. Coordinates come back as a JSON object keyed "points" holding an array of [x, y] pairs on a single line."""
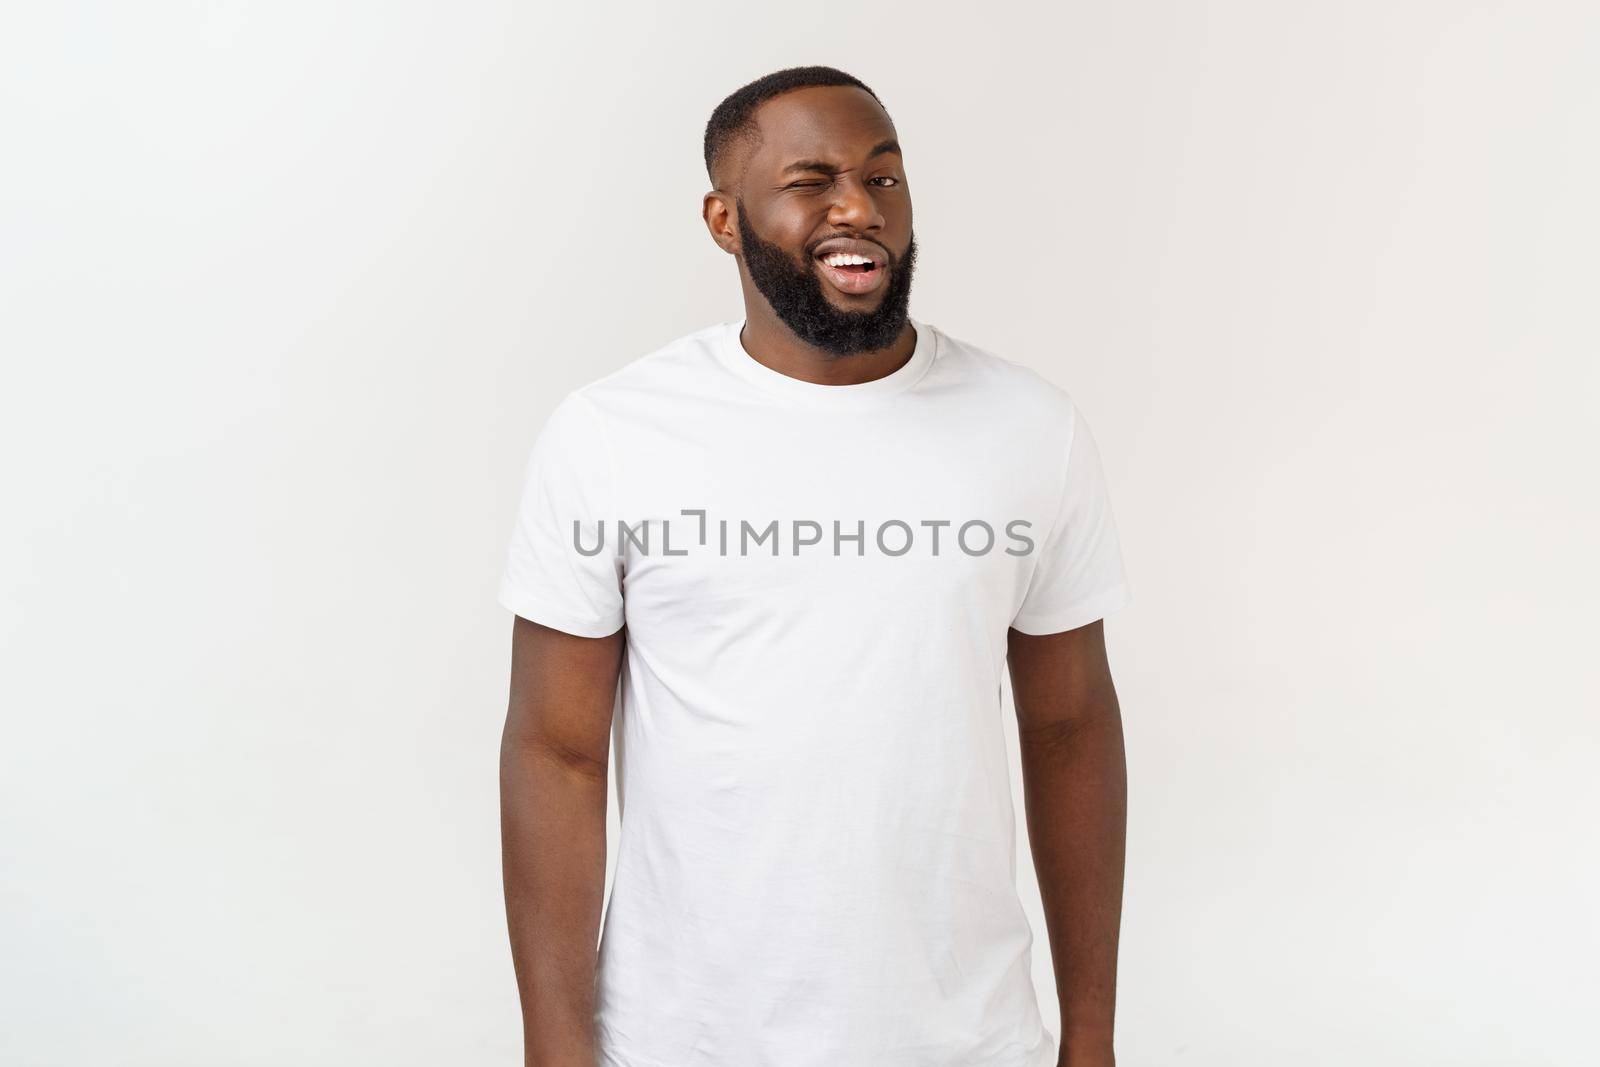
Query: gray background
{"points": [[289, 288]]}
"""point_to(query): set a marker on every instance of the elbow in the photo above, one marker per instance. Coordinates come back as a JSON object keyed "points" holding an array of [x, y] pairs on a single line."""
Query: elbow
{"points": [[524, 751]]}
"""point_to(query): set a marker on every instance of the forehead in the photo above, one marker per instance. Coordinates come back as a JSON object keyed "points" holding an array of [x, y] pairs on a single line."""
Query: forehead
{"points": [[833, 123]]}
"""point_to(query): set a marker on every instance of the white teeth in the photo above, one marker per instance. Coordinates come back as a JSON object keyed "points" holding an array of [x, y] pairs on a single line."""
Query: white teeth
{"points": [[844, 259]]}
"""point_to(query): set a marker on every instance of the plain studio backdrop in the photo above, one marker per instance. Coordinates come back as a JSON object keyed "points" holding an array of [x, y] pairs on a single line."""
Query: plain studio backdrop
{"points": [[289, 288]]}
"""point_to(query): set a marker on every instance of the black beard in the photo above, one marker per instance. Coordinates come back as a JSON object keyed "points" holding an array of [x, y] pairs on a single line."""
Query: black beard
{"points": [[797, 297]]}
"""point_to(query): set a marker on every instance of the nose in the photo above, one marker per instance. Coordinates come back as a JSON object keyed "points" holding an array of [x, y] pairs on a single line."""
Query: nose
{"points": [[853, 206]]}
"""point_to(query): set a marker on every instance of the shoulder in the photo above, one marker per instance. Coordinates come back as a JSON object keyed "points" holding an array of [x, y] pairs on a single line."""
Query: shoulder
{"points": [[1011, 385], [676, 366], [635, 388]]}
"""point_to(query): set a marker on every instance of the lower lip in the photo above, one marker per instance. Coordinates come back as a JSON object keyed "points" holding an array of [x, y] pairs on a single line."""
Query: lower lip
{"points": [[851, 283]]}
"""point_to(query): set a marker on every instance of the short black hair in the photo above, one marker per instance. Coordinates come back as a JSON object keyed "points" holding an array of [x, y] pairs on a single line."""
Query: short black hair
{"points": [[734, 117]]}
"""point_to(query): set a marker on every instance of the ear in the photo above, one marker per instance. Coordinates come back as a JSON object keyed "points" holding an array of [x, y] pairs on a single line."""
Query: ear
{"points": [[717, 209]]}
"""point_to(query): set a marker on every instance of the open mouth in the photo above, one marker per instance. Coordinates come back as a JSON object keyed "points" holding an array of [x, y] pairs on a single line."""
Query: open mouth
{"points": [[851, 273]]}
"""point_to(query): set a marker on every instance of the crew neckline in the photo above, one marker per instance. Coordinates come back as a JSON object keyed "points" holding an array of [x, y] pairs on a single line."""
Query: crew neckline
{"points": [[731, 352]]}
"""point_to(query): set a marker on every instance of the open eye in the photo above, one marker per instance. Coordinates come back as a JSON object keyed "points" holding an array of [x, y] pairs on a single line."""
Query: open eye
{"points": [[886, 178]]}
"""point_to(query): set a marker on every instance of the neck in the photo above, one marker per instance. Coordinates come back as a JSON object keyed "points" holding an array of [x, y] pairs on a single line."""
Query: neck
{"points": [[769, 341]]}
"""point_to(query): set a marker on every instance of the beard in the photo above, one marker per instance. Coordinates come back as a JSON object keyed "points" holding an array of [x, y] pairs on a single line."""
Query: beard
{"points": [[797, 297]]}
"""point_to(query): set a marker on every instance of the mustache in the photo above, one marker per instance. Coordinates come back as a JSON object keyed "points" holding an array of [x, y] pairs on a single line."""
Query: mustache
{"points": [[811, 249]]}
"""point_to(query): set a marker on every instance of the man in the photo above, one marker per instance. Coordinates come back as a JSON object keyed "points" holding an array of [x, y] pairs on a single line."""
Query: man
{"points": [[804, 543]]}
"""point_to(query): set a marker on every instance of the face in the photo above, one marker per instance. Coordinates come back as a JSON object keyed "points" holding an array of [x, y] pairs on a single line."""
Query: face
{"points": [[823, 216]]}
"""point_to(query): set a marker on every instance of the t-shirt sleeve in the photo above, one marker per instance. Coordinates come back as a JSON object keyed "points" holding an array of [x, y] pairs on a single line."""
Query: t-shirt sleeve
{"points": [[1079, 576], [554, 575]]}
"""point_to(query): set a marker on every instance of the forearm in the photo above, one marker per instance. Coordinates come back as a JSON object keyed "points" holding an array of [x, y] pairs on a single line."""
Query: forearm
{"points": [[553, 838], [1075, 787]]}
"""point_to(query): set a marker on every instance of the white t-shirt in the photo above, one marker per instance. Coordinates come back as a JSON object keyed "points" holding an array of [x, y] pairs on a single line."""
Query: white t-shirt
{"points": [[817, 863]]}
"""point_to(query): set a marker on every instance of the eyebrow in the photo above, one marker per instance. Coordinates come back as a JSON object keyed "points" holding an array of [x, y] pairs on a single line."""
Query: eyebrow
{"points": [[879, 149]]}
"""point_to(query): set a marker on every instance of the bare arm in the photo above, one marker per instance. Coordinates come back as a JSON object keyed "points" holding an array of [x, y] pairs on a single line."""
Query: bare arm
{"points": [[553, 786], [1075, 786]]}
